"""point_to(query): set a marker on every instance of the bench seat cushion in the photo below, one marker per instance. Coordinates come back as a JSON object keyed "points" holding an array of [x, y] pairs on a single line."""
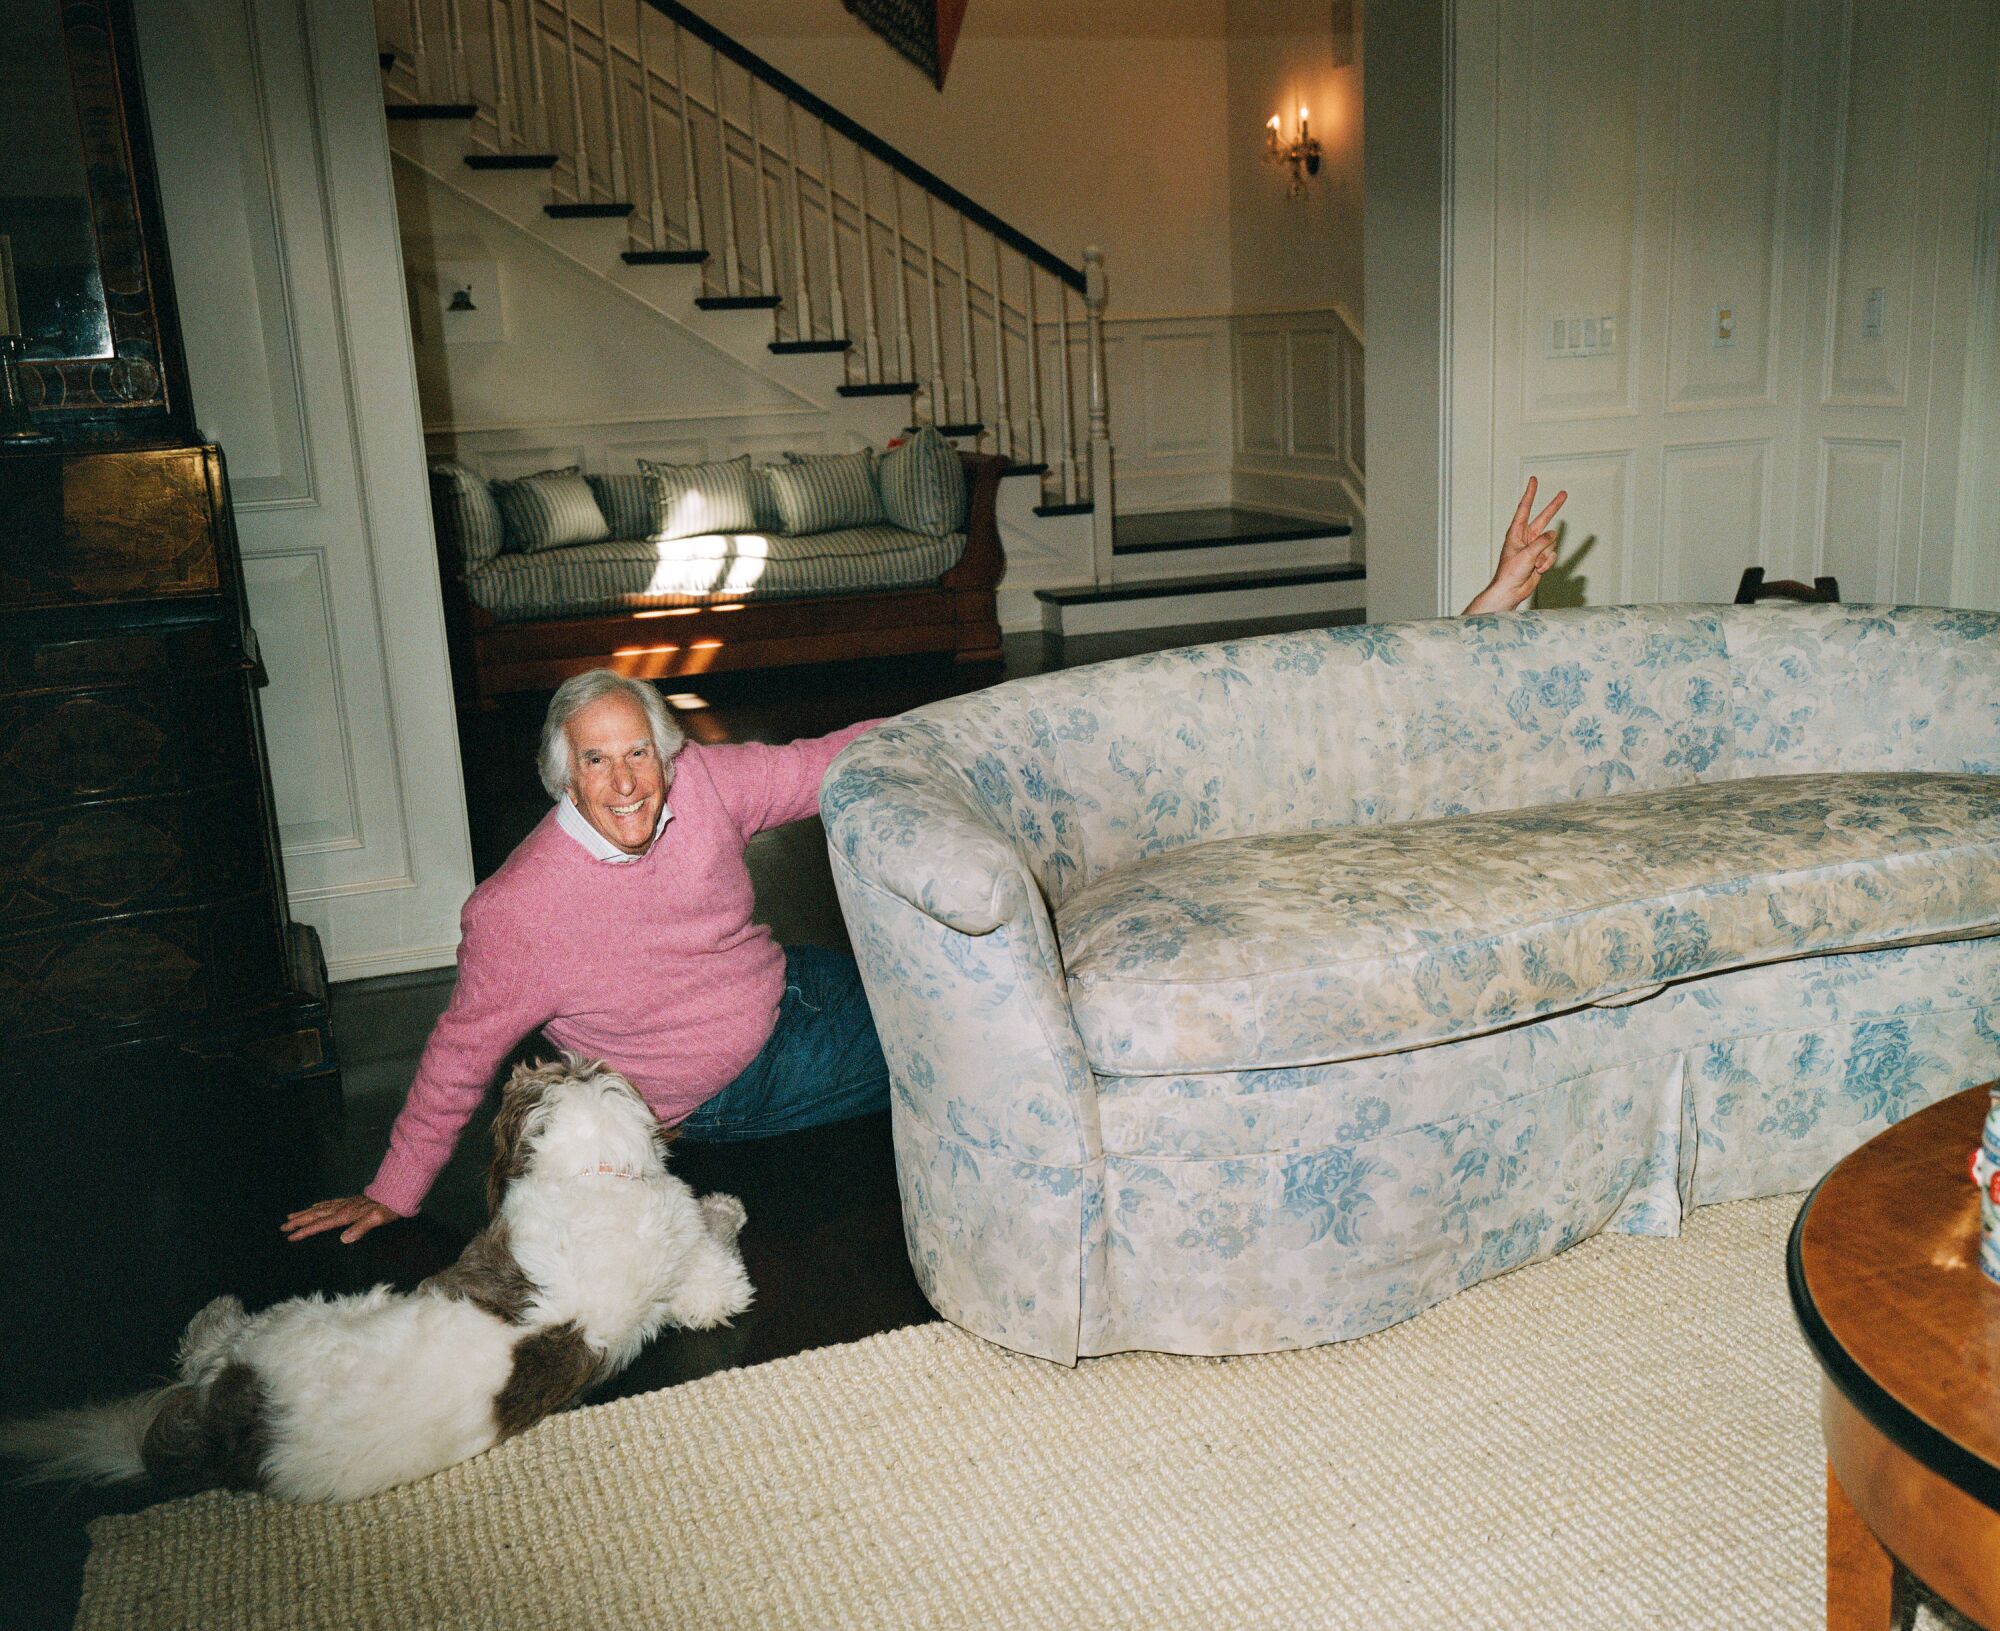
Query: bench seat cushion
{"points": [[1301, 948], [632, 574]]}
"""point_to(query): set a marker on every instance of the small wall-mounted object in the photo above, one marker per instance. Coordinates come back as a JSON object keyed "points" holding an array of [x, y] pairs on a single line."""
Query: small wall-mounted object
{"points": [[1724, 333], [1574, 336], [1300, 154], [469, 306], [1874, 306]]}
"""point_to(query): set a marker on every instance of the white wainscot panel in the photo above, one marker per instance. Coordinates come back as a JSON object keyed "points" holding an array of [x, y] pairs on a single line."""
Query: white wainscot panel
{"points": [[1260, 392], [1580, 211], [1861, 494], [1354, 374], [290, 608], [1315, 426], [1714, 518], [216, 177], [1592, 564], [623, 456], [1728, 184], [1177, 371], [1877, 231]]}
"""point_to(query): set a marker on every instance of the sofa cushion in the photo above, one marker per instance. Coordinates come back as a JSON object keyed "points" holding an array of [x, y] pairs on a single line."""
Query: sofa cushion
{"points": [[827, 493], [1298, 948], [629, 574], [693, 500], [550, 510], [468, 520], [923, 484]]}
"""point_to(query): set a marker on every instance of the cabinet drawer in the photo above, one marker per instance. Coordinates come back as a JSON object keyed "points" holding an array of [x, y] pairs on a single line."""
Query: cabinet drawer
{"points": [[69, 865], [60, 746]]}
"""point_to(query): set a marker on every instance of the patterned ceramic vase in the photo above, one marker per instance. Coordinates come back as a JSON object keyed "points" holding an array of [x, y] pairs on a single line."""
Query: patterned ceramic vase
{"points": [[1986, 1174]]}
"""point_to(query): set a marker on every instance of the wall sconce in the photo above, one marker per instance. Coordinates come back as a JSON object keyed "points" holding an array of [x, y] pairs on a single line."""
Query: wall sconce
{"points": [[1301, 154], [461, 300]]}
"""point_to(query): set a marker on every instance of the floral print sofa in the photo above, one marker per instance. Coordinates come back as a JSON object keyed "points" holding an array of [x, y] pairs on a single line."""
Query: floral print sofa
{"points": [[1262, 994]]}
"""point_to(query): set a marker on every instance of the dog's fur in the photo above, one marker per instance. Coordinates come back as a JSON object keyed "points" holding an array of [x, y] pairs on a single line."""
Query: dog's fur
{"points": [[592, 1247]]}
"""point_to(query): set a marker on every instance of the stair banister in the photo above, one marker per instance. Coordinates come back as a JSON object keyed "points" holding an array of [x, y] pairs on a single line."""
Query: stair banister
{"points": [[580, 168], [656, 209], [1068, 399], [802, 315], [836, 298], [1100, 416], [690, 191], [538, 85], [732, 266], [1038, 450], [940, 400], [501, 95], [968, 361], [906, 350], [460, 78], [767, 279], [613, 98], [871, 351], [419, 50]]}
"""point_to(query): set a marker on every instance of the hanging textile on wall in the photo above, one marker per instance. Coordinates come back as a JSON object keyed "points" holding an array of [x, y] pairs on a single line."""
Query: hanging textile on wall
{"points": [[925, 31]]}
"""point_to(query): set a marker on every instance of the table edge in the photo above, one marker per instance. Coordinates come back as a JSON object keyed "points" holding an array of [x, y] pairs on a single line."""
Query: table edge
{"points": [[1910, 1433]]}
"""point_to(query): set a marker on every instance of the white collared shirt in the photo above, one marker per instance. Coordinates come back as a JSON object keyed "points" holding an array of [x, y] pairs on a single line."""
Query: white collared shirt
{"points": [[600, 848]]}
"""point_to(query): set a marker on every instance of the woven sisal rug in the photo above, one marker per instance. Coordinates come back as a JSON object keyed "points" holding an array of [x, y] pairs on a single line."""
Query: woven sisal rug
{"points": [[1625, 1436]]}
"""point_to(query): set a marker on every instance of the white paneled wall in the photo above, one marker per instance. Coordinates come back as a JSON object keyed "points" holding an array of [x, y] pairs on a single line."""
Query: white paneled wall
{"points": [[274, 176], [1299, 413], [1776, 206]]}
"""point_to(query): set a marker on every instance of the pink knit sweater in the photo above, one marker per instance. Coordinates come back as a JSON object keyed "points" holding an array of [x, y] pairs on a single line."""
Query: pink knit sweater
{"points": [[653, 966]]}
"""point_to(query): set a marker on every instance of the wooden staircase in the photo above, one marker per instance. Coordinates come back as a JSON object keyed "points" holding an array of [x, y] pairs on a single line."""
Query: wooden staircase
{"points": [[657, 153]]}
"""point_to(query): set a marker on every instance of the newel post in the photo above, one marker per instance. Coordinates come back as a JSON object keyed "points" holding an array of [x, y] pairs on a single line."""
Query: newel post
{"points": [[1100, 418]]}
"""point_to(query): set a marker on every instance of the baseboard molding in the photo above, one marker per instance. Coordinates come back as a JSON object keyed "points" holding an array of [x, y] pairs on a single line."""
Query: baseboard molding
{"points": [[1322, 492], [404, 960]]}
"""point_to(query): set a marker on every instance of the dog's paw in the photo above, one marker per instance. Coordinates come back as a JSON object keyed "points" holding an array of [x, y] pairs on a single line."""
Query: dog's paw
{"points": [[724, 1215]]}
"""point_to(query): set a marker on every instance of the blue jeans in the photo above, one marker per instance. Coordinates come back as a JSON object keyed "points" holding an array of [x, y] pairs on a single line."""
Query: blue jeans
{"points": [[821, 1063]]}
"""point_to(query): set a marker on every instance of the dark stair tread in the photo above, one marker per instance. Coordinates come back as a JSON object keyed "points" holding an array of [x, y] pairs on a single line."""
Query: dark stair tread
{"points": [[1205, 583], [881, 387], [739, 302], [586, 212], [664, 257], [806, 348], [1026, 470], [970, 427], [431, 110], [1065, 509], [1214, 528], [510, 161]]}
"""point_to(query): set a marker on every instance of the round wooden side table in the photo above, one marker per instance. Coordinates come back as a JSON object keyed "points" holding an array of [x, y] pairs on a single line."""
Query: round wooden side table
{"points": [[1885, 1280]]}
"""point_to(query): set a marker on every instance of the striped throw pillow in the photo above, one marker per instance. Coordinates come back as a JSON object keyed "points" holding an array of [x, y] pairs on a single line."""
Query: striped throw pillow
{"points": [[923, 485], [468, 521], [692, 499], [627, 507], [550, 510], [820, 494]]}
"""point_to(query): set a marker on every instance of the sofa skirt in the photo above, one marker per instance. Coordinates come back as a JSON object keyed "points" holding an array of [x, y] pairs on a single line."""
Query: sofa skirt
{"points": [[1348, 1197]]}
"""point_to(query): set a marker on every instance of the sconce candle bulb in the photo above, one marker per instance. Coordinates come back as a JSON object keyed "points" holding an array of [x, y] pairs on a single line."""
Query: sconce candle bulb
{"points": [[1301, 155]]}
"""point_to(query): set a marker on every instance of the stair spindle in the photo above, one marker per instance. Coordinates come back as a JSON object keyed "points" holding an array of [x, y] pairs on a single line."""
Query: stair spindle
{"points": [[1100, 415], [871, 347], [767, 282], [502, 94], [836, 300], [802, 323], [1069, 488], [613, 98], [906, 351], [580, 166], [460, 78], [940, 403], [1037, 441], [968, 358], [537, 87], [690, 189], [1003, 433], [419, 49], [656, 212], [732, 277]]}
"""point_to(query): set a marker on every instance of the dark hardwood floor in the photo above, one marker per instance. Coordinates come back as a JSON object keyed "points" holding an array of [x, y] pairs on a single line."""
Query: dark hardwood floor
{"points": [[139, 1192]]}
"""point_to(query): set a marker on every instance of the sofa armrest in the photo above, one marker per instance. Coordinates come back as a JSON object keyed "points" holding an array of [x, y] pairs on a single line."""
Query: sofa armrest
{"points": [[920, 836]]}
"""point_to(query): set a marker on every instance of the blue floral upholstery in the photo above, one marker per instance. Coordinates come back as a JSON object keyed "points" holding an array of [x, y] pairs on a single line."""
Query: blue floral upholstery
{"points": [[1263, 994]]}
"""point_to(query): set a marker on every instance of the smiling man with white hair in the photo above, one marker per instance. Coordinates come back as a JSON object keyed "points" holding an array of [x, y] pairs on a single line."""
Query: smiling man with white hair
{"points": [[621, 926]]}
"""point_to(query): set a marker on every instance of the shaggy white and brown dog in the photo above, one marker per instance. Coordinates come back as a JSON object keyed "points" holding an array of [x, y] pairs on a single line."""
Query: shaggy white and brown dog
{"points": [[592, 1247]]}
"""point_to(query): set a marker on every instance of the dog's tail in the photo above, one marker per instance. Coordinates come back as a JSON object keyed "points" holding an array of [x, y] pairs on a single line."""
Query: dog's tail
{"points": [[168, 1433], [98, 1444]]}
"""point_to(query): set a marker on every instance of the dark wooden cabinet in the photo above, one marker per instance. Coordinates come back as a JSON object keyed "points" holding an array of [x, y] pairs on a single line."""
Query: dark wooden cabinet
{"points": [[142, 893]]}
